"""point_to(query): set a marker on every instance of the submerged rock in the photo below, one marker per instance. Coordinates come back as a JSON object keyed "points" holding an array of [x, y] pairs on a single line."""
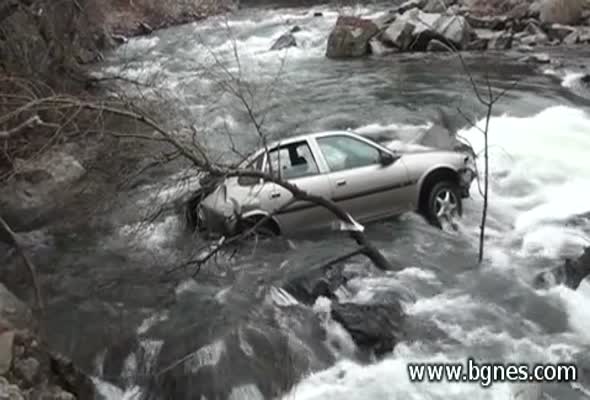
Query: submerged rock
{"points": [[570, 274], [260, 346], [322, 281], [350, 37], [375, 328], [284, 41], [537, 59]]}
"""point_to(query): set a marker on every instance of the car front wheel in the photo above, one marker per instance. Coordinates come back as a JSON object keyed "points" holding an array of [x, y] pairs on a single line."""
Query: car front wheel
{"points": [[443, 206]]}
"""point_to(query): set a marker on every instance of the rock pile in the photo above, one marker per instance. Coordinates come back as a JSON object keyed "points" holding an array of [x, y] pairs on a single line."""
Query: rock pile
{"points": [[472, 25], [27, 369]]}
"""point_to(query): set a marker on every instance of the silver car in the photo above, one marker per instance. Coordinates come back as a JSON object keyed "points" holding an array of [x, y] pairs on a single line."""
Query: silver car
{"points": [[369, 180]]}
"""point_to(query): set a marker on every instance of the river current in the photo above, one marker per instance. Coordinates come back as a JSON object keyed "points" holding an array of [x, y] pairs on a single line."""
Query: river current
{"points": [[539, 194]]}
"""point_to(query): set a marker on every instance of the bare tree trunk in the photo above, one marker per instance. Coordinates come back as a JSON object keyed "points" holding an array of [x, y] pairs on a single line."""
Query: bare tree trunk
{"points": [[484, 212]]}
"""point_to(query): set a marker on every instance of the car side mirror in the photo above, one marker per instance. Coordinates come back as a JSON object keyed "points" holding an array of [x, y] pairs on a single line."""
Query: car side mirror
{"points": [[386, 158]]}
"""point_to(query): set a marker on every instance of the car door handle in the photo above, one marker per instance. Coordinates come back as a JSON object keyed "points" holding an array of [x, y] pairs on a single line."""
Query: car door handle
{"points": [[275, 195], [340, 182]]}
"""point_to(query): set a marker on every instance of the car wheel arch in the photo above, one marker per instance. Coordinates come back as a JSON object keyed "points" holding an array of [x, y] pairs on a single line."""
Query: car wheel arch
{"points": [[255, 215], [431, 178]]}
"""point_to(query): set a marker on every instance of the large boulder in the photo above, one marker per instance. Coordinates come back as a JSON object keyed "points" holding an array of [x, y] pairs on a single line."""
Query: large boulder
{"points": [[375, 328], [413, 31], [350, 37], [38, 186], [566, 12]]}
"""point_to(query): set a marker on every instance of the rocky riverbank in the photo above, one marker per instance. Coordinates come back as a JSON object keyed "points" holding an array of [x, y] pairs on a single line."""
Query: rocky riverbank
{"points": [[470, 25], [28, 370], [127, 18]]}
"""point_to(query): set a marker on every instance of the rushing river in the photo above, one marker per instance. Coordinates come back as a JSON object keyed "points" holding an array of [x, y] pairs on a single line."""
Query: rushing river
{"points": [[539, 194]]}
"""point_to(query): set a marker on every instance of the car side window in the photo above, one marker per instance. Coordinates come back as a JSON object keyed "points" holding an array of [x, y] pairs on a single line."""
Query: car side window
{"points": [[294, 160], [256, 165], [345, 152]]}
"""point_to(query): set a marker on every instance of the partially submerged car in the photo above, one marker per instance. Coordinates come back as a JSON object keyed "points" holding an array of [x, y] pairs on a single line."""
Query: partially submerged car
{"points": [[369, 180]]}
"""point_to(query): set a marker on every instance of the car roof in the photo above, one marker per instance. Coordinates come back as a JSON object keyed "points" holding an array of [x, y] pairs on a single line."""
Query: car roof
{"points": [[306, 136]]}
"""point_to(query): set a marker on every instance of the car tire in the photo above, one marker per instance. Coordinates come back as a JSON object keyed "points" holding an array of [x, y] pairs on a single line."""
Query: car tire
{"points": [[265, 229], [443, 204]]}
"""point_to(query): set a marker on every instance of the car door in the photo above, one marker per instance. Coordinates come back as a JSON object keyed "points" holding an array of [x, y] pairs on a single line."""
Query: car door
{"points": [[296, 163], [361, 182]]}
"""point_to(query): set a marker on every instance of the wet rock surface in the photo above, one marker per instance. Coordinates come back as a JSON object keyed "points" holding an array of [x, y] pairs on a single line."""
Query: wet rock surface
{"points": [[375, 328], [570, 274], [476, 25], [28, 369], [350, 37]]}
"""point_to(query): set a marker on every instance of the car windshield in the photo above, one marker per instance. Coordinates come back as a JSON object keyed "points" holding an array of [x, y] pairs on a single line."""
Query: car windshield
{"points": [[346, 152]]}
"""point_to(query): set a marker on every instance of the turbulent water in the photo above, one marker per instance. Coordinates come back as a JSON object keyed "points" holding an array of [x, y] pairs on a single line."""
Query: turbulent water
{"points": [[540, 186]]}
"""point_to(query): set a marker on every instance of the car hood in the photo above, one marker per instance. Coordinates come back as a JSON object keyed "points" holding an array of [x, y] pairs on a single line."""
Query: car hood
{"points": [[412, 148]]}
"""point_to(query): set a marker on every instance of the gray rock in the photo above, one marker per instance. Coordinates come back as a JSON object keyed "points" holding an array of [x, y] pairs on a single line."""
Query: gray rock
{"points": [[437, 6], [570, 274], [375, 328], [73, 378], [437, 46], [378, 48], [487, 22], [399, 34], [120, 39], [540, 58], [533, 29], [14, 311], [535, 40], [477, 45], [559, 32], [6, 345], [571, 39], [38, 186], [350, 37], [27, 369], [501, 41], [581, 35], [284, 41], [410, 5], [56, 393], [413, 30], [9, 391], [566, 12], [385, 20]]}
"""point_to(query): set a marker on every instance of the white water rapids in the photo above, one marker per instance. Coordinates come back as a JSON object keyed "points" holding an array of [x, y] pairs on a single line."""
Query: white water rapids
{"points": [[540, 177], [539, 186]]}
